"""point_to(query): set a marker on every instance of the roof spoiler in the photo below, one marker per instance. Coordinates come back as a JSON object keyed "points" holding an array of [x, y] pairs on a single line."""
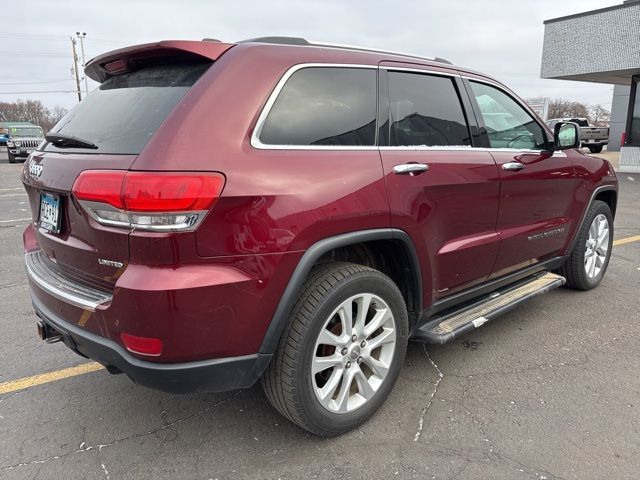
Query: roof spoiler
{"points": [[126, 59]]}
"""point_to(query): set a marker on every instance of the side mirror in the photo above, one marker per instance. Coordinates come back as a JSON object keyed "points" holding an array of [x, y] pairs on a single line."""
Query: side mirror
{"points": [[566, 135]]}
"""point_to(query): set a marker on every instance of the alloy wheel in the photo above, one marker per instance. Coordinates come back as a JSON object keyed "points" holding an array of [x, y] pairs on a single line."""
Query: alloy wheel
{"points": [[353, 353], [597, 246]]}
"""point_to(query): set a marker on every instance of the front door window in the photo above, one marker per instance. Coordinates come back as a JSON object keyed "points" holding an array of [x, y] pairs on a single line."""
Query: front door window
{"points": [[508, 124]]}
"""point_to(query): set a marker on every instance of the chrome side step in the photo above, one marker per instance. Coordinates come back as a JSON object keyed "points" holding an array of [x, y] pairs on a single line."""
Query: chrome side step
{"points": [[444, 328]]}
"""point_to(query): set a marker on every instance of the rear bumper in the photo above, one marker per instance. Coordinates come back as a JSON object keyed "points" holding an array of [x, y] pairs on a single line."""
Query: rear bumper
{"points": [[215, 375], [50, 278]]}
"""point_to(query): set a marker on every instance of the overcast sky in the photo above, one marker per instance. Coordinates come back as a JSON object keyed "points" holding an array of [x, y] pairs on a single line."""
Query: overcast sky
{"points": [[500, 37]]}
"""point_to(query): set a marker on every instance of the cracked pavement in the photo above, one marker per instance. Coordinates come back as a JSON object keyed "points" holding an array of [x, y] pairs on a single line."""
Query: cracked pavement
{"points": [[548, 391]]}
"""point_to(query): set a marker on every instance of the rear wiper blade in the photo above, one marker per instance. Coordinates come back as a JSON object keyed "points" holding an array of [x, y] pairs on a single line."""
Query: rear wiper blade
{"points": [[61, 140]]}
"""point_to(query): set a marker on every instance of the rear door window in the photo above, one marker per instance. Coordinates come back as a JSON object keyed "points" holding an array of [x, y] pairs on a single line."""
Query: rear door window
{"points": [[122, 114], [324, 106], [425, 111]]}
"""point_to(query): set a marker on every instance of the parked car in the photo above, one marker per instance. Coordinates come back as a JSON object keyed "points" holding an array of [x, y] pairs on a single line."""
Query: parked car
{"points": [[4, 130], [22, 140], [293, 213], [592, 137]]}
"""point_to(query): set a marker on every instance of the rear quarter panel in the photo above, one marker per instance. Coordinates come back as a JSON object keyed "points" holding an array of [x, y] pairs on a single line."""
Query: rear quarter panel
{"points": [[273, 200], [275, 204]]}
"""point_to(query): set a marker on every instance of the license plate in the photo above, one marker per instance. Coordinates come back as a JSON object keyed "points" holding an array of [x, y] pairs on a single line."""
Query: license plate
{"points": [[30, 150], [50, 212]]}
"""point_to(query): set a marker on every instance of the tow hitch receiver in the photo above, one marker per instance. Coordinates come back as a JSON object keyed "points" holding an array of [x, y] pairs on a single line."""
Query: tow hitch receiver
{"points": [[47, 333]]}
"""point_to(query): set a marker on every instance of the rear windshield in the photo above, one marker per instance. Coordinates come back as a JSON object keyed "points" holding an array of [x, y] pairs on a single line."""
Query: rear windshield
{"points": [[580, 121], [122, 114]]}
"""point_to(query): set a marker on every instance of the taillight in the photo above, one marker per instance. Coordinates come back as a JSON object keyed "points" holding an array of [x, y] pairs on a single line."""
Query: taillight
{"points": [[143, 192], [157, 201], [100, 186]]}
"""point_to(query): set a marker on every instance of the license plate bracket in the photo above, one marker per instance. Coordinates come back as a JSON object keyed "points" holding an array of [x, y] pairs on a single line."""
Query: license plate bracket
{"points": [[50, 212]]}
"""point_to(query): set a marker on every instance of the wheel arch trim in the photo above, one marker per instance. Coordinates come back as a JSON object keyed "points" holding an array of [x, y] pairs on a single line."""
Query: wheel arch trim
{"points": [[594, 194], [313, 254]]}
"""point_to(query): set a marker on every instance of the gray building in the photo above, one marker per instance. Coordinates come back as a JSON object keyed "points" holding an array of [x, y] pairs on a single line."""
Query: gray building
{"points": [[619, 111], [602, 46]]}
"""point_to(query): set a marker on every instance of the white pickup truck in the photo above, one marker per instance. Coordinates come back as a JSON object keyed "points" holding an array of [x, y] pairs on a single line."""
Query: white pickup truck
{"points": [[593, 138]]}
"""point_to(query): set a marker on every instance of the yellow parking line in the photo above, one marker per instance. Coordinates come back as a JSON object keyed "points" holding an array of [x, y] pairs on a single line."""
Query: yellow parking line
{"points": [[622, 241], [28, 382]]}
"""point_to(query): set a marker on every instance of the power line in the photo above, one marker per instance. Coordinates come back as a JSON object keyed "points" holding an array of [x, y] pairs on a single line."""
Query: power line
{"points": [[33, 36], [36, 36], [36, 83], [113, 42], [32, 54], [40, 91]]}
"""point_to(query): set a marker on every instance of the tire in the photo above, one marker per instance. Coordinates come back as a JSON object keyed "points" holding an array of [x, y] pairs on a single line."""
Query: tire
{"points": [[595, 149], [289, 383], [12, 157], [576, 268]]}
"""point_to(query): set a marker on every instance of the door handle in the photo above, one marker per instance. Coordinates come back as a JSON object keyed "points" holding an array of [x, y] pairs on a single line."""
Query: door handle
{"points": [[410, 168], [513, 166]]}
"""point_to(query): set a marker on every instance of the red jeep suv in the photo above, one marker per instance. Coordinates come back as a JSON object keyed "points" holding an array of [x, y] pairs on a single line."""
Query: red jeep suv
{"points": [[215, 214]]}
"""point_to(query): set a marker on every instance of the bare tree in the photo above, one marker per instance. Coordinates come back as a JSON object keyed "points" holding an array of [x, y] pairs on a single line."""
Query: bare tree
{"points": [[561, 108], [599, 116], [32, 111], [596, 114]]}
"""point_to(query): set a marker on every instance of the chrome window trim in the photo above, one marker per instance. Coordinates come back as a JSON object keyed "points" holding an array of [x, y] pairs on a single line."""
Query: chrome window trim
{"points": [[257, 143], [462, 148], [255, 136], [195, 218], [418, 70]]}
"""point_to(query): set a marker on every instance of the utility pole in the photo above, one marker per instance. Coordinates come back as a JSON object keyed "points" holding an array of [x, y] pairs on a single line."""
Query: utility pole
{"points": [[75, 67], [82, 36]]}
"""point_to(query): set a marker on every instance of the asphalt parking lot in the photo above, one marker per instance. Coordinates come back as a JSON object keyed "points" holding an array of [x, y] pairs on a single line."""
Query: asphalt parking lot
{"points": [[549, 391]]}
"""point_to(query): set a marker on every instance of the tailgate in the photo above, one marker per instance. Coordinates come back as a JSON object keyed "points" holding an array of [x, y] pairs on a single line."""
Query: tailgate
{"points": [[599, 133], [81, 242]]}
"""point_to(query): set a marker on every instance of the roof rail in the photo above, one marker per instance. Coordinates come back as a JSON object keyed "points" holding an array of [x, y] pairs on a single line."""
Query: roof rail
{"points": [[303, 41]]}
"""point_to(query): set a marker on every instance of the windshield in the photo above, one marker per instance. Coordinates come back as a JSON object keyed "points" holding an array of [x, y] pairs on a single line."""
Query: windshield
{"points": [[122, 114], [33, 132]]}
